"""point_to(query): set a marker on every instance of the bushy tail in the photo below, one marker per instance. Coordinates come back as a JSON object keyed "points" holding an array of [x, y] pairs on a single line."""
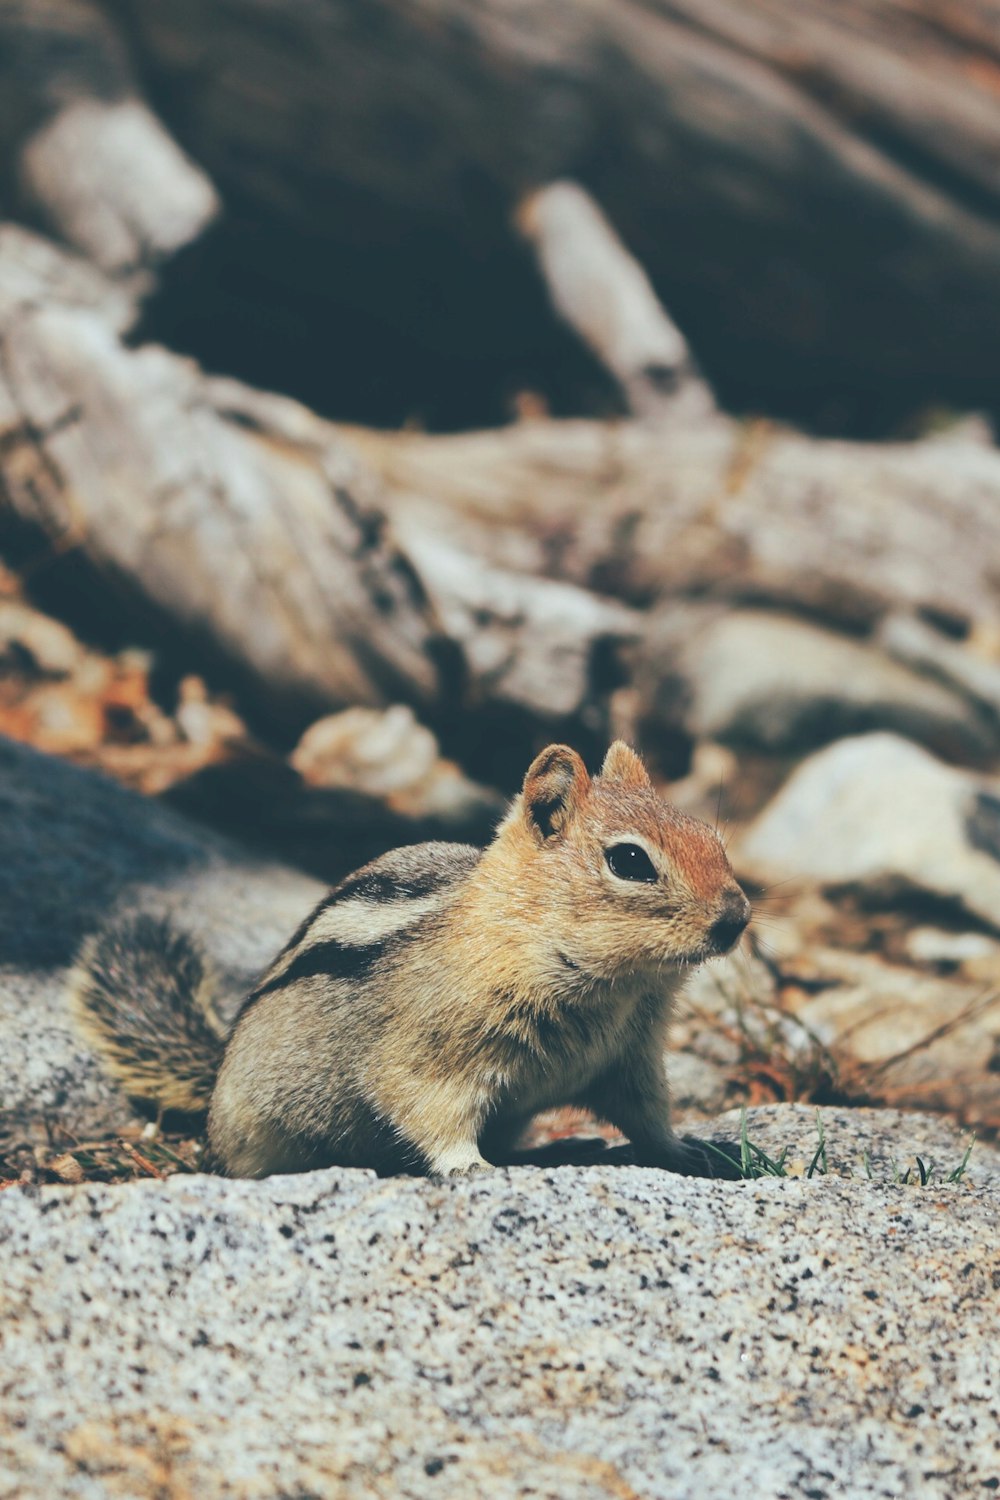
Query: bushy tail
{"points": [[141, 997]]}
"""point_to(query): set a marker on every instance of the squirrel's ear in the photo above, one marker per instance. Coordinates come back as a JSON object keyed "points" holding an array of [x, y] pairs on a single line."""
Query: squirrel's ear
{"points": [[554, 787], [621, 764]]}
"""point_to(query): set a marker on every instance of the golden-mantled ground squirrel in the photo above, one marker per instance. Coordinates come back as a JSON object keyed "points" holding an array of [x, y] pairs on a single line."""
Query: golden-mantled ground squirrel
{"points": [[441, 996]]}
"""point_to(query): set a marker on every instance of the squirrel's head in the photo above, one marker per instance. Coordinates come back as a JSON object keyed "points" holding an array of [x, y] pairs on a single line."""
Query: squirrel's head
{"points": [[628, 882]]}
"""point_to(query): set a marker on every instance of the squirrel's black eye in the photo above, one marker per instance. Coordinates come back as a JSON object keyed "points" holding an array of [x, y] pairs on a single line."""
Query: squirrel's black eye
{"points": [[629, 862]]}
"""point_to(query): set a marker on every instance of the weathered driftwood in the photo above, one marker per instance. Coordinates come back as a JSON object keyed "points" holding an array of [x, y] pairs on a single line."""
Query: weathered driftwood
{"points": [[792, 176], [35, 273], [268, 553], [251, 527], [605, 296], [543, 647], [740, 512], [531, 643], [87, 157]]}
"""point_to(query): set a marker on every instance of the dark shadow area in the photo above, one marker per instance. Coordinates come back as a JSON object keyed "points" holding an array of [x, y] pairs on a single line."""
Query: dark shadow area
{"points": [[72, 843], [496, 742], [433, 326], [714, 1159], [410, 324], [325, 831]]}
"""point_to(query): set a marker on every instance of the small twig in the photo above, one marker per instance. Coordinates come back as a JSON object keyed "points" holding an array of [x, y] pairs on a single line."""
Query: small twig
{"points": [[970, 1012], [140, 1160]]}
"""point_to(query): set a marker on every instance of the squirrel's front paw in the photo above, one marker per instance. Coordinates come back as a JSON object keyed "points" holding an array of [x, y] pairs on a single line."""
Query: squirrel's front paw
{"points": [[443, 1171], [690, 1157]]}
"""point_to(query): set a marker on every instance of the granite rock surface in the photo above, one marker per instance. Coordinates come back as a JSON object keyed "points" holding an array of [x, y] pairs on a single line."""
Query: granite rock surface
{"points": [[574, 1334]]}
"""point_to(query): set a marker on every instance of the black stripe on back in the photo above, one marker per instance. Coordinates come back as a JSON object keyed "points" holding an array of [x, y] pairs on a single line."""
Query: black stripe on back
{"points": [[371, 885], [336, 960], [405, 874]]}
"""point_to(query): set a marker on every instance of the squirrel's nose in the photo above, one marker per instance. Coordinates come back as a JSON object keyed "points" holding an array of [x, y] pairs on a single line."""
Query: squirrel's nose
{"points": [[731, 922]]}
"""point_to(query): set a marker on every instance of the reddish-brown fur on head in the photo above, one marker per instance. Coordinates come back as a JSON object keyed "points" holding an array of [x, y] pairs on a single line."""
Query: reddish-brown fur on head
{"points": [[618, 879]]}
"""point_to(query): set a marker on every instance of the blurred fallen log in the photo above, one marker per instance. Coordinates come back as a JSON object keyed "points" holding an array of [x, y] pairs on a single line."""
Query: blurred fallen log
{"points": [[603, 293], [248, 536], [533, 651], [269, 556], [253, 529], [531, 644], [87, 157], [742, 512]]}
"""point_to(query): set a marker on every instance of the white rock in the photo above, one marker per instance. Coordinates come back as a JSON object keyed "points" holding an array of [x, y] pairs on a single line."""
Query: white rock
{"points": [[878, 812], [386, 753]]}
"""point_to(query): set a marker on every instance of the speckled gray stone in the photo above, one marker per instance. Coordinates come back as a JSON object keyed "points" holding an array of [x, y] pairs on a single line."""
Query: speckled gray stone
{"points": [[75, 848], [580, 1332]]}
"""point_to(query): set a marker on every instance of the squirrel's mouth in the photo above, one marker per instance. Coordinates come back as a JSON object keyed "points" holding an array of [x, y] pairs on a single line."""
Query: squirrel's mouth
{"points": [[709, 949], [719, 950]]}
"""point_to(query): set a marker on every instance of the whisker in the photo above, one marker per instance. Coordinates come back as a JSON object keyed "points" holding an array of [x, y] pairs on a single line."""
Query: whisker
{"points": [[764, 948], [776, 885]]}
